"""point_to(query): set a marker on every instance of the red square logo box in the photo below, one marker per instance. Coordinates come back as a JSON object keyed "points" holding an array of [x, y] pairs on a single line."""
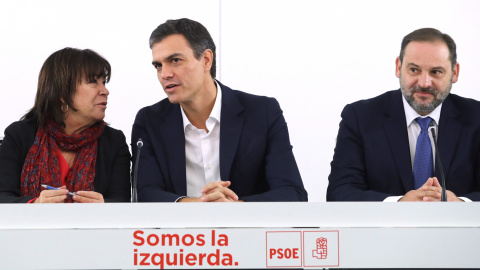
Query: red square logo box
{"points": [[321, 249], [284, 249]]}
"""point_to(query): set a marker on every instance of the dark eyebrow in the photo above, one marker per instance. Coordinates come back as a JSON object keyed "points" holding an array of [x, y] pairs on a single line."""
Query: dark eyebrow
{"points": [[173, 56], [434, 68], [170, 57], [439, 68]]}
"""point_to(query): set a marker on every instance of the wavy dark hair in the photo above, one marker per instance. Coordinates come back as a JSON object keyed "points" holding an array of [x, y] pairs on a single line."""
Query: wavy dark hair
{"points": [[58, 79], [194, 32]]}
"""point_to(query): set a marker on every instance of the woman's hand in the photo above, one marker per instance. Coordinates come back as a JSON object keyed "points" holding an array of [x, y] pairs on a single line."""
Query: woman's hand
{"points": [[52, 196], [88, 197]]}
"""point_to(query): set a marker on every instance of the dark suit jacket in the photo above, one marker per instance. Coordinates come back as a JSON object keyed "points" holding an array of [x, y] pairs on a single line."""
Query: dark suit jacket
{"points": [[112, 168], [372, 156], [255, 151]]}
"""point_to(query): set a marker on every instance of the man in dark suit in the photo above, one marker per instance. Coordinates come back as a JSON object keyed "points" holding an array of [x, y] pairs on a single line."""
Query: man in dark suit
{"points": [[207, 142], [384, 148]]}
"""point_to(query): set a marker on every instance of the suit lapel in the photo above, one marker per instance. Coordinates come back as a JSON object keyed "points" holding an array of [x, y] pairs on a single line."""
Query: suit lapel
{"points": [[230, 130], [395, 128], [173, 135], [449, 130]]}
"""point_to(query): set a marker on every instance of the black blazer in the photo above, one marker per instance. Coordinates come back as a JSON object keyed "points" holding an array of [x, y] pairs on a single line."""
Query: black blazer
{"points": [[255, 151], [112, 169], [372, 156]]}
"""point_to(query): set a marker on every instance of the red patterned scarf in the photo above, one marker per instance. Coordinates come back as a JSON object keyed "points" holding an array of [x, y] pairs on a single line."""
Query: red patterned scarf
{"points": [[42, 162]]}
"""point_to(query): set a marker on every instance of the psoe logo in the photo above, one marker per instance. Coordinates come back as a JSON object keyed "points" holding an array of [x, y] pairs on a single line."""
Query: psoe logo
{"points": [[320, 252], [321, 248]]}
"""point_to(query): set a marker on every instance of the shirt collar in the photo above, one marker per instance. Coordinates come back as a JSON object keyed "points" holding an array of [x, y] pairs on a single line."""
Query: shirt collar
{"points": [[411, 114], [214, 114], [217, 107]]}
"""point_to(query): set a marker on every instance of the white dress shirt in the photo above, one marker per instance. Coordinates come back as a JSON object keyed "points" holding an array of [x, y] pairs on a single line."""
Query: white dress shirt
{"points": [[202, 150], [413, 130]]}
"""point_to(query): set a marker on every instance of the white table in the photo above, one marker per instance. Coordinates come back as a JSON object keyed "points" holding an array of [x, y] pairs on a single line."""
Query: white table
{"points": [[240, 235]]}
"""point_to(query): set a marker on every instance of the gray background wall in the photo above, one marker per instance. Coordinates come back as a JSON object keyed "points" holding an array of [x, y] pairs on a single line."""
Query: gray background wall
{"points": [[313, 56]]}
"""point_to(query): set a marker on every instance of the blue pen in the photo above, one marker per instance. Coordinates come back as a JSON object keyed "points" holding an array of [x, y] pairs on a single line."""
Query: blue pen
{"points": [[54, 188]]}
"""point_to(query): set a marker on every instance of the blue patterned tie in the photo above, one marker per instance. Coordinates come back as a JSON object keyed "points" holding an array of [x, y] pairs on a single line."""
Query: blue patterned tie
{"points": [[423, 162]]}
